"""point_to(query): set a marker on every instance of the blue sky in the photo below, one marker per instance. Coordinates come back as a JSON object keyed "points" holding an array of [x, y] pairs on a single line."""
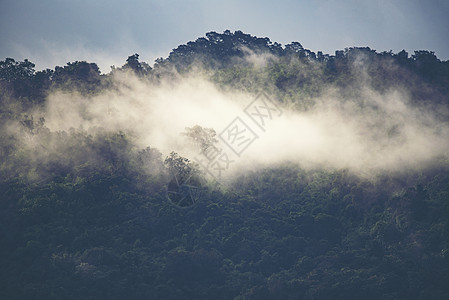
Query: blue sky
{"points": [[54, 32]]}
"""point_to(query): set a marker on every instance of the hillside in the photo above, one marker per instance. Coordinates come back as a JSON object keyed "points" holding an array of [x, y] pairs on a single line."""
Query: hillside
{"points": [[87, 200]]}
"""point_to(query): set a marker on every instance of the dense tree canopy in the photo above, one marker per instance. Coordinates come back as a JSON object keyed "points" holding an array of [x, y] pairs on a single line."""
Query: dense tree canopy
{"points": [[91, 219]]}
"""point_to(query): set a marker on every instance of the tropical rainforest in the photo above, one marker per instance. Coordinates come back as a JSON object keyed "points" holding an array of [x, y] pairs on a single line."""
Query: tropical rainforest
{"points": [[90, 210]]}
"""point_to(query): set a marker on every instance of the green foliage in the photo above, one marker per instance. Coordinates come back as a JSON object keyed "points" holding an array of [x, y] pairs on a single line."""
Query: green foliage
{"points": [[85, 215], [201, 137], [80, 75]]}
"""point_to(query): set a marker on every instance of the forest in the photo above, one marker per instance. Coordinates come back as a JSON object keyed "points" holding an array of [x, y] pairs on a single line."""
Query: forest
{"points": [[90, 208]]}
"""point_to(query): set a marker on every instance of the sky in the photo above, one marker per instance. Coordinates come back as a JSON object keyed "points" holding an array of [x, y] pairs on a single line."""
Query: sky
{"points": [[54, 32]]}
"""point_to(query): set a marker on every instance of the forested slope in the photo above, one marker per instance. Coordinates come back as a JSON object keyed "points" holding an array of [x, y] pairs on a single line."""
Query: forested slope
{"points": [[84, 212]]}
